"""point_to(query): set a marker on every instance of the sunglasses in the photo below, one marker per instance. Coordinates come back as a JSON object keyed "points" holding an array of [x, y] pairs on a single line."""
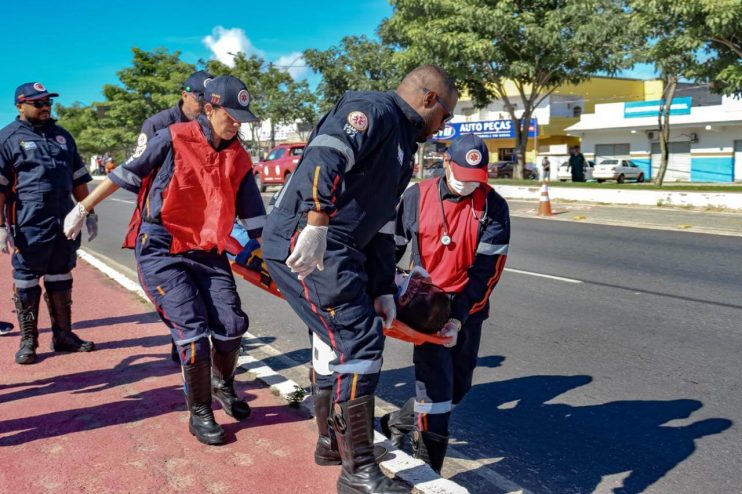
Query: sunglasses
{"points": [[449, 114], [40, 103]]}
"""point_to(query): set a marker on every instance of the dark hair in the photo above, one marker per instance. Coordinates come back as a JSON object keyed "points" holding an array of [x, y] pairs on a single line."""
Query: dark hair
{"points": [[427, 311]]}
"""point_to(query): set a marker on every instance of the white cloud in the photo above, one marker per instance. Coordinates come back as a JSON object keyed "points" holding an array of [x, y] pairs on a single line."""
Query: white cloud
{"points": [[294, 63], [224, 42]]}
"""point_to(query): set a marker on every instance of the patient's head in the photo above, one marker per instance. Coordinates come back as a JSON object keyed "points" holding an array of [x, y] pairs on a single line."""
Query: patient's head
{"points": [[421, 304]]}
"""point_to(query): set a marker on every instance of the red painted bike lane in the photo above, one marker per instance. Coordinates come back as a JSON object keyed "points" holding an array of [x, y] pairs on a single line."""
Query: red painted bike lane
{"points": [[114, 420]]}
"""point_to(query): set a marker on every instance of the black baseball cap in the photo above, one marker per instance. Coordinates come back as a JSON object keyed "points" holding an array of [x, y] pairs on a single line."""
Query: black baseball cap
{"points": [[230, 93], [196, 83], [469, 158], [29, 91]]}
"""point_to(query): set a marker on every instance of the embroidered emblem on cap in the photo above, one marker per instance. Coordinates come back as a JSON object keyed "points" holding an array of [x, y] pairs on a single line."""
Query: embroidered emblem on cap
{"points": [[142, 139], [243, 97], [473, 157], [358, 120], [60, 140], [39, 87], [215, 99], [207, 80]]}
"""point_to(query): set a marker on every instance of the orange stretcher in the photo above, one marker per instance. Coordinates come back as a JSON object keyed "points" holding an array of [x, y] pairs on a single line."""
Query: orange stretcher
{"points": [[399, 330]]}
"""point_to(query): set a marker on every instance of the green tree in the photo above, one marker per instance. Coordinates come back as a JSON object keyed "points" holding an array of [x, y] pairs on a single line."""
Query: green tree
{"points": [[539, 45], [152, 83], [358, 63]]}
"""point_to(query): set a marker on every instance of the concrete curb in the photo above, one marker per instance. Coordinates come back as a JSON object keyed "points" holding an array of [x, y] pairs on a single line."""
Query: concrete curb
{"points": [[726, 200], [397, 463]]}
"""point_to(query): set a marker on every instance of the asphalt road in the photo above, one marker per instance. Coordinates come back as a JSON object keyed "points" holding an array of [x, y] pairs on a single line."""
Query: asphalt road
{"points": [[622, 377]]}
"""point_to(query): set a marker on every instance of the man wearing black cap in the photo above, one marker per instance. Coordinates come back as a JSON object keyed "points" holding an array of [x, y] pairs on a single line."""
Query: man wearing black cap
{"points": [[329, 246], [460, 231], [189, 107], [181, 234], [40, 169]]}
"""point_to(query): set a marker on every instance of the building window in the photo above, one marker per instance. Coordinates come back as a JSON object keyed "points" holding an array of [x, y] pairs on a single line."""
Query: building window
{"points": [[506, 154], [577, 111]]}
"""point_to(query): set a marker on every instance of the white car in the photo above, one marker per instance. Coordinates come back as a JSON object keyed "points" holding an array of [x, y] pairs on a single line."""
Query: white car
{"points": [[618, 170], [564, 173]]}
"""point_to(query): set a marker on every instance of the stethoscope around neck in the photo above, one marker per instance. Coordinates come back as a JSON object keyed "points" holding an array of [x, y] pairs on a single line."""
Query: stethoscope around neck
{"points": [[446, 238]]}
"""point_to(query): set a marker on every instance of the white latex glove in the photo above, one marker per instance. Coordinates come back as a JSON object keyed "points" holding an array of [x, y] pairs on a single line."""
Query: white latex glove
{"points": [[309, 251], [386, 308], [6, 241], [450, 330], [91, 225], [74, 220]]}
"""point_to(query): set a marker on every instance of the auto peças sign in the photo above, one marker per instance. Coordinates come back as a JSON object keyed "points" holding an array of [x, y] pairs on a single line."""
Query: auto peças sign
{"points": [[486, 129]]}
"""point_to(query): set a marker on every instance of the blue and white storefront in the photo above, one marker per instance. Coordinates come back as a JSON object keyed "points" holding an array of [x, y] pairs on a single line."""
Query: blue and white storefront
{"points": [[705, 141]]}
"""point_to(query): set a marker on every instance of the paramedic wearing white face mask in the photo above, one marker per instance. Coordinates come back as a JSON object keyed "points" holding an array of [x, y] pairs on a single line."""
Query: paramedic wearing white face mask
{"points": [[459, 228]]}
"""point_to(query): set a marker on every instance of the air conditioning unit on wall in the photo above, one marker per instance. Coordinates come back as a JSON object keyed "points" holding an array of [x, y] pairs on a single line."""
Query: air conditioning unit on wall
{"points": [[650, 135]]}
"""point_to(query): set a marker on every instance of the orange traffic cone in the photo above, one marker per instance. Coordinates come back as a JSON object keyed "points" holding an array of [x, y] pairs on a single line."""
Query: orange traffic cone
{"points": [[544, 205]]}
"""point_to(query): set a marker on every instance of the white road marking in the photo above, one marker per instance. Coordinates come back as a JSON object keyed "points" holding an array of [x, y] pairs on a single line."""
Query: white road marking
{"points": [[541, 275], [122, 200]]}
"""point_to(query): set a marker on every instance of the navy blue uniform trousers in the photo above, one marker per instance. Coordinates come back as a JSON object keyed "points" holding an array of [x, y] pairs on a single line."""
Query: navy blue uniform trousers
{"points": [[334, 303], [194, 292]]}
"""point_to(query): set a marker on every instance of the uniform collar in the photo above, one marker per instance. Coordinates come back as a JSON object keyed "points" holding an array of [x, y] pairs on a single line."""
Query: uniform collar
{"points": [[209, 133], [179, 109], [413, 117], [446, 193]]}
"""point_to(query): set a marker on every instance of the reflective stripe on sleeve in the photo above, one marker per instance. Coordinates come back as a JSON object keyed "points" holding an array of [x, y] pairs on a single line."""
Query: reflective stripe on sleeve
{"points": [[357, 367], [79, 173], [433, 408], [327, 141], [127, 176], [388, 228], [253, 223], [491, 249]]}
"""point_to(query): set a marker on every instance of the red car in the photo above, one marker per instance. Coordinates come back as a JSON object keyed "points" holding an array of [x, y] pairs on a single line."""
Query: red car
{"points": [[278, 165]]}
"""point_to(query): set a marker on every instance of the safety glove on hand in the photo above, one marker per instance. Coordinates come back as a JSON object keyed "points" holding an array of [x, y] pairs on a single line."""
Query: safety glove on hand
{"points": [[74, 220], [91, 225], [386, 308], [6, 241], [309, 251], [450, 330]]}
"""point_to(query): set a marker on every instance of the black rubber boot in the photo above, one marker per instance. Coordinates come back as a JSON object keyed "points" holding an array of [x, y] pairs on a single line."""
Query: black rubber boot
{"points": [[222, 384], [28, 319], [326, 452], [201, 424], [60, 313], [354, 428], [397, 424], [430, 448]]}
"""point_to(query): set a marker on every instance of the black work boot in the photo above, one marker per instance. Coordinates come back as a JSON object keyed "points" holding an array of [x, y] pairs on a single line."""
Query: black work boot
{"points": [[197, 378], [397, 424], [28, 320], [326, 452], [354, 429], [60, 313], [430, 448], [222, 384]]}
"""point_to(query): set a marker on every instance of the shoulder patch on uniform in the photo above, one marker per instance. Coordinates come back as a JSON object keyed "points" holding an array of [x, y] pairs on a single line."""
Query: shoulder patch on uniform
{"points": [[60, 140], [474, 157], [358, 120], [28, 145], [142, 139]]}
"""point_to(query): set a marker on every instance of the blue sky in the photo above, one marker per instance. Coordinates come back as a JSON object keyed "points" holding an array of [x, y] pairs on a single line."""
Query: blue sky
{"points": [[74, 47]]}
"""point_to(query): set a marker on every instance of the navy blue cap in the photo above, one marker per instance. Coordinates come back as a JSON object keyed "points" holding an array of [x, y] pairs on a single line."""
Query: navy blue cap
{"points": [[231, 94], [196, 83], [469, 158], [29, 91]]}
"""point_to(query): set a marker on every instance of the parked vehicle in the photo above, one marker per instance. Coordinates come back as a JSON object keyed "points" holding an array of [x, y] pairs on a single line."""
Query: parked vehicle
{"points": [[278, 166], [504, 169], [564, 173], [618, 170]]}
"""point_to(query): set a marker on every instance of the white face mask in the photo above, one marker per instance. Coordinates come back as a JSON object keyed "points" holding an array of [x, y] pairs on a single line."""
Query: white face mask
{"points": [[460, 188]]}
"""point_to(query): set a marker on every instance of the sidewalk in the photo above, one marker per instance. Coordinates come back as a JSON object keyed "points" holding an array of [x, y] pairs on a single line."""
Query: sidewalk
{"points": [[652, 217], [114, 420]]}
